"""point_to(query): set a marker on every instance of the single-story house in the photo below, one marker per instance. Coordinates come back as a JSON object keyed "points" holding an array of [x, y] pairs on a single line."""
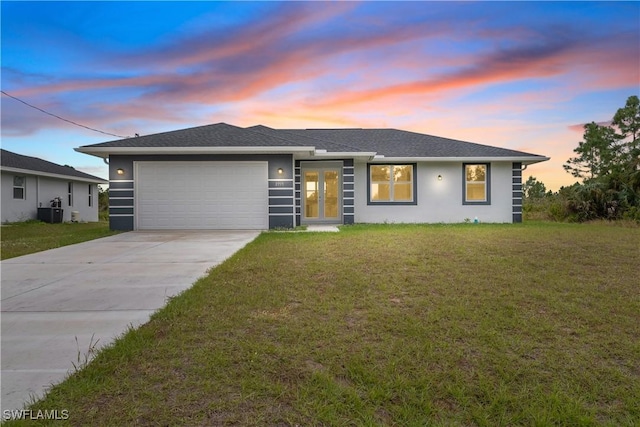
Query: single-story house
{"points": [[29, 183], [224, 177]]}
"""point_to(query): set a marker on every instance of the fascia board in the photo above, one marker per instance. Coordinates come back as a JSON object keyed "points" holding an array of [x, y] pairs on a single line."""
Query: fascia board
{"points": [[105, 152], [345, 154], [524, 159]]}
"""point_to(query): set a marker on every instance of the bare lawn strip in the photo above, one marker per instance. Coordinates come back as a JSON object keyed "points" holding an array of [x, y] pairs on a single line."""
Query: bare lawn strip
{"points": [[532, 324]]}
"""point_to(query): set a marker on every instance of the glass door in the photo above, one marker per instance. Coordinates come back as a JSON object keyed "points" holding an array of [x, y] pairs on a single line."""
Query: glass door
{"points": [[321, 195]]}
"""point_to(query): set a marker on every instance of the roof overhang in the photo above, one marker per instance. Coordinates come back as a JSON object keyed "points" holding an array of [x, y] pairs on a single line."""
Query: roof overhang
{"points": [[105, 152], [54, 175], [301, 153], [525, 160]]}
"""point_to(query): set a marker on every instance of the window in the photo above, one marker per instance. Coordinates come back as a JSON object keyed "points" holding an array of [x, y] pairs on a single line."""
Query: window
{"points": [[70, 195], [90, 195], [477, 184], [19, 183], [392, 184]]}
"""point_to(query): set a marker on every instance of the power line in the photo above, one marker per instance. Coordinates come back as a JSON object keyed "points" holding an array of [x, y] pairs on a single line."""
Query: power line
{"points": [[61, 118]]}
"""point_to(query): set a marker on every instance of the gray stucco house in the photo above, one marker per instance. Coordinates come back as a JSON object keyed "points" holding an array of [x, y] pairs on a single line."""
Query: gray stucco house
{"points": [[29, 183], [225, 177]]}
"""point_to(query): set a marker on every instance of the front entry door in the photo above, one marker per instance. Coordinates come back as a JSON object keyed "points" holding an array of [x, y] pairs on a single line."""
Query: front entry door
{"points": [[321, 195]]}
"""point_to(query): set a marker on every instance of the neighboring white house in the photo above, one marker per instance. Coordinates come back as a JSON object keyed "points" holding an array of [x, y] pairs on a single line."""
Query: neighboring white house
{"points": [[224, 177], [29, 183]]}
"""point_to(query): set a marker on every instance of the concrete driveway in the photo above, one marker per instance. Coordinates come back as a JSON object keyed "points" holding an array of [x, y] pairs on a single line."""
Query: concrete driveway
{"points": [[92, 292]]}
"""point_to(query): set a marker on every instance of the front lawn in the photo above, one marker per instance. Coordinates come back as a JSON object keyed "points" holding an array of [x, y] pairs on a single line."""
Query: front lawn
{"points": [[531, 324], [24, 238]]}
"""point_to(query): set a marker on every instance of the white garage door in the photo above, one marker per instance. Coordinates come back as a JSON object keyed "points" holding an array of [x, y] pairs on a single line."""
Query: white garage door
{"points": [[201, 195]]}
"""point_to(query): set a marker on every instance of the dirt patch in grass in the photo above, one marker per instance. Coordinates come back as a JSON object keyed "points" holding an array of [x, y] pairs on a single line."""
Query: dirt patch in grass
{"points": [[533, 324]]}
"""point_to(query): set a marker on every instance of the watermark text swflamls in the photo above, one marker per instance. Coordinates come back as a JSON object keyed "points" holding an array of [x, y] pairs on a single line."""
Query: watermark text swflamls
{"points": [[40, 414]]}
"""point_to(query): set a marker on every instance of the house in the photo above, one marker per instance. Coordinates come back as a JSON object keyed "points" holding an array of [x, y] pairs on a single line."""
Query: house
{"points": [[29, 183], [224, 177]]}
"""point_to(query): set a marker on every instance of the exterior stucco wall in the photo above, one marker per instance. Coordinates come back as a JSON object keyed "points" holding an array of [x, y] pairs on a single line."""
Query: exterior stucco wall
{"points": [[439, 201], [40, 191], [14, 210]]}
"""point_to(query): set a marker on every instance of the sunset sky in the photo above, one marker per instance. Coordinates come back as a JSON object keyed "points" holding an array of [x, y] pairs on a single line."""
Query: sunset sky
{"points": [[519, 75]]}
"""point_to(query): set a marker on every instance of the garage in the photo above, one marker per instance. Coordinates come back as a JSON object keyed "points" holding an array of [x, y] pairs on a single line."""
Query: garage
{"points": [[201, 195]]}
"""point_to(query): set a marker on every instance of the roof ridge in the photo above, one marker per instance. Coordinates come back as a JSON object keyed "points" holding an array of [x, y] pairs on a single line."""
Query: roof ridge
{"points": [[271, 136], [355, 149]]}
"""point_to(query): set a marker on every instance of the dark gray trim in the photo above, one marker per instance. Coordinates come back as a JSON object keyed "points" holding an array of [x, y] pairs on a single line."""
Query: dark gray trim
{"points": [[415, 185], [121, 223], [121, 185], [281, 184], [349, 209], [280, 221], [281, 210], [517, 217], [120, 202], [286, 201], [348, 219], [120, 211], [464, 185], [120, 193], [285, 192]]}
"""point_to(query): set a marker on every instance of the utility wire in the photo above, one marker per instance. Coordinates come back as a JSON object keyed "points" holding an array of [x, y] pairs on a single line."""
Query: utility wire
{"points": [[61, 118]]}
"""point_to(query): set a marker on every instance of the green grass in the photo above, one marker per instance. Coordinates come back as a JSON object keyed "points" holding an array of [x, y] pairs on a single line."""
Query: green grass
{"points": [[488, 325], [24, 238]]}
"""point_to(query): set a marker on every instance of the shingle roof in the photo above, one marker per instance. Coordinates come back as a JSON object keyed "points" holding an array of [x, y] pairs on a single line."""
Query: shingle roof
{"points": [[301, 138], [9, 159], [216, 135], [401, 143], [386, 142]]}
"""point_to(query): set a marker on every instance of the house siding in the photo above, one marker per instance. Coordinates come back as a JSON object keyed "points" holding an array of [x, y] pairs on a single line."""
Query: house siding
{"points": [[122, 187], [14, 210], [439, 201], [40, 190]]}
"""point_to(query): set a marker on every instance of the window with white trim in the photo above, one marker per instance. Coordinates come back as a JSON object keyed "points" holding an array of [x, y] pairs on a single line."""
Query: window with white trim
{"points": [[477, 185], [392, 184], [90, 195], [19, 187]]}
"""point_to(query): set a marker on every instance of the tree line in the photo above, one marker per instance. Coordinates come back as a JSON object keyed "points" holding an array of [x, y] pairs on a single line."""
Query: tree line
{"points": [[607, 161]]}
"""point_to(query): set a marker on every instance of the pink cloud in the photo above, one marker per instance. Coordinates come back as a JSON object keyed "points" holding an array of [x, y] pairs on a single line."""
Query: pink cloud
{"points": [[579, 128]]}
